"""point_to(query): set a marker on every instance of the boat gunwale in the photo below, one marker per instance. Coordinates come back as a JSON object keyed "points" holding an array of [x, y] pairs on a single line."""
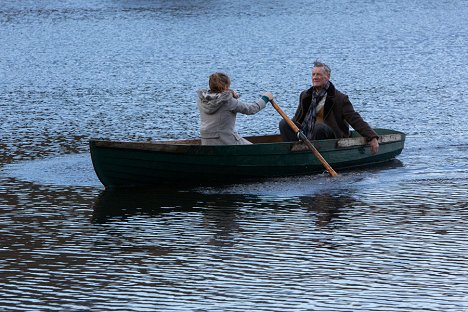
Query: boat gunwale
{"points": [[298, 146]]}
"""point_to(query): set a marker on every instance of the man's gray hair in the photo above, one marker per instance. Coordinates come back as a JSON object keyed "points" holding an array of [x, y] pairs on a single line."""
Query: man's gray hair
{"points": [[324, 66]]}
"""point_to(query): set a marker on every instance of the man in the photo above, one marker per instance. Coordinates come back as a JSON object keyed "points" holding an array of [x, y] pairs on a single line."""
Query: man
{"points": [[326, 113]]}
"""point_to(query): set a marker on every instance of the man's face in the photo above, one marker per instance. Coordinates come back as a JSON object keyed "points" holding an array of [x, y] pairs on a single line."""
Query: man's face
{"points": [[319, 77]]}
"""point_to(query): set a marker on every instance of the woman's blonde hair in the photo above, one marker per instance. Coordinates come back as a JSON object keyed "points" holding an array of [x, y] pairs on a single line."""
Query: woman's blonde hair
{"points": [[219, 82]]}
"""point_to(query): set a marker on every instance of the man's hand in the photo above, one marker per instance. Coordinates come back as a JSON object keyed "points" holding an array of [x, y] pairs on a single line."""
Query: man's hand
{"points": [[374, 146]]}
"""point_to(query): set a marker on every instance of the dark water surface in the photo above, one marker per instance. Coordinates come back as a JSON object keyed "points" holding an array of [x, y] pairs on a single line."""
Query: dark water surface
{"points": [[388, 238]]}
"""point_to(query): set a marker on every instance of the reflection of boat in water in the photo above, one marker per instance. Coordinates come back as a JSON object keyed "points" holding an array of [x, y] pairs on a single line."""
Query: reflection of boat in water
{"points": [[220, 209], [187, 162]]}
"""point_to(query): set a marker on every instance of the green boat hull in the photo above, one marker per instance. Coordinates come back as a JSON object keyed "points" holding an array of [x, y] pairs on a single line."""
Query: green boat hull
{"points": [[119, 164]]}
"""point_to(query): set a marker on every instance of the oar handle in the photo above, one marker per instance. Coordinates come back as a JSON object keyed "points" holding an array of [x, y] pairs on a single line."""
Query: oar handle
{"points": [[301, 136], [285, 117]]}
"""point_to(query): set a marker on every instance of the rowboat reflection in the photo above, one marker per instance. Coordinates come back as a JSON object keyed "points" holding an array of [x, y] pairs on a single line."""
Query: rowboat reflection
{"points": [[122, 203]]}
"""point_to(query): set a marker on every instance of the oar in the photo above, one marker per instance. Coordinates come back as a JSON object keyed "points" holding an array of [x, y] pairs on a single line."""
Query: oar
{"points": [[301, 136]]}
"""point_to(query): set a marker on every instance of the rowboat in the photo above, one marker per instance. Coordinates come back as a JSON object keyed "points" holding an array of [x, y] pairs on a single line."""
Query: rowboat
{"points": [[187, 162]]}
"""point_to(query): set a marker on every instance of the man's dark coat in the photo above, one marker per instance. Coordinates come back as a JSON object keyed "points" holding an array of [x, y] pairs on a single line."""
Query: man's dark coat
{"points": [[339, 114]]}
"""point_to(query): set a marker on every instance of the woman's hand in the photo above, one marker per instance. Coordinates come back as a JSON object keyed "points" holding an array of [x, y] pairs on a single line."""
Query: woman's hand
{"points": [[268, 95], [235, 94]]}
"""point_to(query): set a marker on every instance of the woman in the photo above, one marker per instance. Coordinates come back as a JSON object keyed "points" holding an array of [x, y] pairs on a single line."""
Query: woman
{"points": [[218, 108]]}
